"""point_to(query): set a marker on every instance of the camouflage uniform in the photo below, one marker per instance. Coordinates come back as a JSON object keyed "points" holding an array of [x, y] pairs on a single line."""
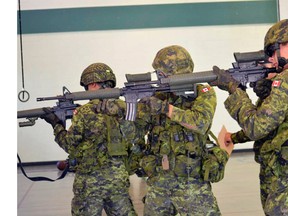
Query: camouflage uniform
{"points": [[264, 177], [175, 151], [98, 148], [268, 125]]}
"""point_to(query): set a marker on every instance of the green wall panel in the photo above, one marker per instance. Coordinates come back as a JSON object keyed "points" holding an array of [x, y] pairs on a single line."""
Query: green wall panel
{"points": [[147, 16]]}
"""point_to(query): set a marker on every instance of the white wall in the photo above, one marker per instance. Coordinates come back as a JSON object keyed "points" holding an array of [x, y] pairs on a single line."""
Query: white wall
{"points": [[283, 9], [57, 59]]}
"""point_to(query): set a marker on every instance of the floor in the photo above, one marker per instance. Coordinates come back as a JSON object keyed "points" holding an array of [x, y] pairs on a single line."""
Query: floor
{"points": [[237, 193]]}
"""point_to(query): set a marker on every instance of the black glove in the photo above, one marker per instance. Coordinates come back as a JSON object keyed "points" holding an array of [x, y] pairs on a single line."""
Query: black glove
{"points": [[224, 80], [140, 172], [262, 88], [50, 117]]}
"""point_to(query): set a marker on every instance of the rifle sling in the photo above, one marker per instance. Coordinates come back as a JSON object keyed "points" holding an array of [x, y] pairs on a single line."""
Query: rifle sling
{"points": [[41, 178]]}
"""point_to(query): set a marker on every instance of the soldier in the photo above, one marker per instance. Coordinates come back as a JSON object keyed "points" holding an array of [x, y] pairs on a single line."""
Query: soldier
{"points": [[175, 158], [97, 147], [262, 89], [266, 123]]}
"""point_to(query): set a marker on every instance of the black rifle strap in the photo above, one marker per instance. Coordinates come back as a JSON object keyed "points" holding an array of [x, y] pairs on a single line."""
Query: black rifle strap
{"points": [[40, 178]]}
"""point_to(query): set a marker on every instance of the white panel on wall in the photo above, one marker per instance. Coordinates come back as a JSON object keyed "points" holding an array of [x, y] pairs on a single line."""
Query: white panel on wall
{"points": [[283, 9]]}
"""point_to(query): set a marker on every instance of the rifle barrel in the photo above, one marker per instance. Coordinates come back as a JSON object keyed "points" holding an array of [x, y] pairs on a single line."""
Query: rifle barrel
{"points": [[32, 113], [190, 78], [99, 94]]}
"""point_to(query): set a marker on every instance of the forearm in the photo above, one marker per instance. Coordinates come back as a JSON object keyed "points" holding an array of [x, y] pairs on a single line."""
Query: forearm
{"points": [[60, 137], [200, 116], [256, 122]]}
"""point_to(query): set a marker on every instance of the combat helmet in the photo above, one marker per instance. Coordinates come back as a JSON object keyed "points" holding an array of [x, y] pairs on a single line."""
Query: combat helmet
{"points": [[98, 73], [276, 35], [173, 60]]}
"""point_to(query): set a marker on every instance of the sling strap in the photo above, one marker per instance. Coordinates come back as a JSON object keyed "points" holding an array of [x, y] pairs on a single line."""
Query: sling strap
{"points": [[41, 178]]}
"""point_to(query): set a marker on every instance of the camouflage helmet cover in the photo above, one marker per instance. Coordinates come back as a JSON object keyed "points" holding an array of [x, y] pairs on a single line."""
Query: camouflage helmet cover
{"points": [[97, 72], [278, 33], [173, 60]]}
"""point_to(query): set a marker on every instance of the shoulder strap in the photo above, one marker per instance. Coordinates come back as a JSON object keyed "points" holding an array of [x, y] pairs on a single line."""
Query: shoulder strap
{"points": [[214, 137], [41, 178]]}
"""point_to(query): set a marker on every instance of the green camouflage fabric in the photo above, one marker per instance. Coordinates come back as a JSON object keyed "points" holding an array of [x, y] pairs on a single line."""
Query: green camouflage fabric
{"points": [[173, 60], [214, 165], [171, 195], [265, 178], [278, 33], [98, 143], [277, 202], [182, 139], [268, 124], [259, 122], [97, 73], [106, 188], [239, 137]]}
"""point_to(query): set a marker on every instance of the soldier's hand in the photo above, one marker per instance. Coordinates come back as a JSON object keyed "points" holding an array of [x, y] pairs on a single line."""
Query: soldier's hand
{"points": [[109, 107], [224, 80], [157, 106], [50, 117], [262, 88]]}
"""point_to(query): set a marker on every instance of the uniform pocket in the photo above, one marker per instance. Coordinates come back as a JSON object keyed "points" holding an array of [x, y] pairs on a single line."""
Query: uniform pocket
{"points": [[185, 166], [149, 163]]}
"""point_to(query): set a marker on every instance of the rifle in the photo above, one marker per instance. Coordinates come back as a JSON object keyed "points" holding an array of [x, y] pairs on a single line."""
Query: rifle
{"points": [[248, 68], [63, 110]]}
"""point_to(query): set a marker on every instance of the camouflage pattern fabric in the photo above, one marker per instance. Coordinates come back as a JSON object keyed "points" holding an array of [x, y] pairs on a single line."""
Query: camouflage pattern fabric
{"points": [[105, 188], [239, 137], [269, 122], [258, 122], [277, 201], [185, 196], [97, 143], [278, 33], [214, 165], [173, 60], [265, 177], [178, 186], [97, 73], [200, 117]]}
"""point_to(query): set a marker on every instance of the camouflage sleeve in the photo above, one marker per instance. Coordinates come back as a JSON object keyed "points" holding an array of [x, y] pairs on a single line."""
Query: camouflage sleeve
{"points": [[68, 139], [259, 121], [239, 137], [199, 117]]}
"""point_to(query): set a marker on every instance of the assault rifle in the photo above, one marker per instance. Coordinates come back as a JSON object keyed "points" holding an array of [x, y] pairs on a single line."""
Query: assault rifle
{"points": [[248, 68], [63, 109]]}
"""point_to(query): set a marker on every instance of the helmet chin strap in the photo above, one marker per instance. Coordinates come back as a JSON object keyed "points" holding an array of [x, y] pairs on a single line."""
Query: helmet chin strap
{"points": [[106, 84], [281, 60]]}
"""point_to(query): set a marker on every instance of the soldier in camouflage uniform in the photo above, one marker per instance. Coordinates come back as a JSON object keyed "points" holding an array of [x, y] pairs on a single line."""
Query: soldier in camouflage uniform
{"points": [[266, 123], [178, 128], [262, 89], [97, 147]]}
